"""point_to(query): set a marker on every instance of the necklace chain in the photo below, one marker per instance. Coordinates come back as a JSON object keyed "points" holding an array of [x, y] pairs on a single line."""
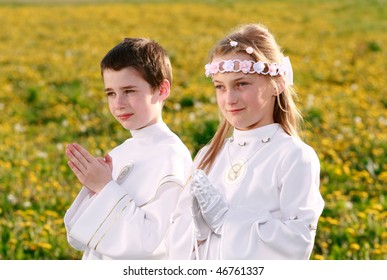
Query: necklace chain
{"points": [[239, 166]]}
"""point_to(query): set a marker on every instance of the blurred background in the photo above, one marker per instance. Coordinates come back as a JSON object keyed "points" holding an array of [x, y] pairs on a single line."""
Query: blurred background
{"points": [[51, 94]]}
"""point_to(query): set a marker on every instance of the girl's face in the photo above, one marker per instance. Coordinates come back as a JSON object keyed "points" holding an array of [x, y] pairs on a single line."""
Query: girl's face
{"points": [[245, 100], [132, 101]]}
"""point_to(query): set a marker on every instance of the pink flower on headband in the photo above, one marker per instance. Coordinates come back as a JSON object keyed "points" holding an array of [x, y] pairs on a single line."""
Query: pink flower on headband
{"points": [[273, 69], [228, 66], [245, 66], [214, 68]]}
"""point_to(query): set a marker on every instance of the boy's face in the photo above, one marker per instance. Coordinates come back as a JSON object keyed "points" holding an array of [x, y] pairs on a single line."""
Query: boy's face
{"points": [[132, 101]]}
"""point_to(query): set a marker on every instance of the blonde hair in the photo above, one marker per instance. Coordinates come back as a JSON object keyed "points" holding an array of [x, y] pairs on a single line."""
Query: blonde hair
{"points": [[265, 49]]}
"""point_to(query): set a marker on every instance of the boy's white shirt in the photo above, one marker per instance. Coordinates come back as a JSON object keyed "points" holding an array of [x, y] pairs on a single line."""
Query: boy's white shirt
{"points": [[129, 218]]}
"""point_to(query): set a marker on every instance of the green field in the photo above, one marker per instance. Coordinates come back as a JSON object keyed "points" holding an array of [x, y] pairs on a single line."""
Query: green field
{"points": [[51, 94]]}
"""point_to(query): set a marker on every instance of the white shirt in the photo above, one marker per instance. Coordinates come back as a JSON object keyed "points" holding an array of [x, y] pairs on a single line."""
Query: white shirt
{"points": [[274, 204], [129, 218]]}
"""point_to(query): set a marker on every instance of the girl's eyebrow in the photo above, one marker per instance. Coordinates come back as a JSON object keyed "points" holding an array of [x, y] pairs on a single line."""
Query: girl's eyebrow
{"points": [[235, 80]]}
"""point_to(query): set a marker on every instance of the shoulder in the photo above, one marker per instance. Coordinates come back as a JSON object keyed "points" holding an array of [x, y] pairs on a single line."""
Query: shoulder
{"points": [[200, 154], [294, 149], [204, 150], [172, 144], [120, 148]]}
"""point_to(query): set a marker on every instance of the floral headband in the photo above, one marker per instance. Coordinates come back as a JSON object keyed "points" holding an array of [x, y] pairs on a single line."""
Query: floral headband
{"points": [[284, 68]]}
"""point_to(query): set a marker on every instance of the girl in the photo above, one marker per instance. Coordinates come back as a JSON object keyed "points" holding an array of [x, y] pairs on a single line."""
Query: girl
{"points": [[123, 210], [255, 194]]}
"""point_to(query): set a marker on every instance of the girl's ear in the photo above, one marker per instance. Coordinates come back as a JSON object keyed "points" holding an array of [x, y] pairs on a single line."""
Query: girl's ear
{"points": [[279, 86], [164, 90]]}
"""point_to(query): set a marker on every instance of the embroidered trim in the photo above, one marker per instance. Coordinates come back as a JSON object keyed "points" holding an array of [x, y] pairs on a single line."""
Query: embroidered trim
{"points": [[170, 178], [111, 211], [111, 224], [162, 182]]}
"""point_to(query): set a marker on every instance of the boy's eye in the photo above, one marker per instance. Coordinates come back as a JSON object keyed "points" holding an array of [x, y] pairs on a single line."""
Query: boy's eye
{"points": [[110, 93]]}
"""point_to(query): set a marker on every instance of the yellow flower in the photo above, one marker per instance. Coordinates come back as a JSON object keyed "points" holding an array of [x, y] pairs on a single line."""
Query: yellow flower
{"points": [[351, 231], [318, 257], [354, 246], [45, 245], [324, 245]]}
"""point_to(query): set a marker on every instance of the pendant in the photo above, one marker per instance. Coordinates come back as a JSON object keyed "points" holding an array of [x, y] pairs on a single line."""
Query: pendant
{"points": [[235, 173]]}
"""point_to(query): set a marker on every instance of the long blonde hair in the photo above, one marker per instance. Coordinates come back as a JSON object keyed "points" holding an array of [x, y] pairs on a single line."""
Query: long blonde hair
{"points": [[265, 49]]}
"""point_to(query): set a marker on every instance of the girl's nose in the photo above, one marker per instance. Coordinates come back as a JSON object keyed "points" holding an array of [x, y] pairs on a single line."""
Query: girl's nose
{"points": [[231, 97]]}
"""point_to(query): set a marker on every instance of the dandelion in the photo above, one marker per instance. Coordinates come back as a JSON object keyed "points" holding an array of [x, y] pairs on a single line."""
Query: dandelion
{"points": [[354, 246], [12, 199], [318, 257]]}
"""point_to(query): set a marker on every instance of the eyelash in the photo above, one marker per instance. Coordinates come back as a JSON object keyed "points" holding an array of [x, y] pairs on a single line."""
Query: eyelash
{"points": [[242, 84]]}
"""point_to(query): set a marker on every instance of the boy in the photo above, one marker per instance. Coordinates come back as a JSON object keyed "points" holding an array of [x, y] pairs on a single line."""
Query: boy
{"points": [[123, 210]]}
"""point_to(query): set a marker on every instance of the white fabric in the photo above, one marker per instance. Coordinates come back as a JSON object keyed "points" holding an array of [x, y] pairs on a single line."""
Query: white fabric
{"points": [[273, 208], [129, 218]]}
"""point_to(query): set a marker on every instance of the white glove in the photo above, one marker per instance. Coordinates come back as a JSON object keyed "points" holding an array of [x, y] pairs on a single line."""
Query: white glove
{"points": [[212, 204], [201, 228]]}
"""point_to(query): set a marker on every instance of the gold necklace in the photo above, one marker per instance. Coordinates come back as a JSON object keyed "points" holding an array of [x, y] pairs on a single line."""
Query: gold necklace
{"points": [[236, 169]]}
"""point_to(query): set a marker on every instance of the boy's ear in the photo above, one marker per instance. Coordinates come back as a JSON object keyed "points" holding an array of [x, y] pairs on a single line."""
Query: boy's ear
{"points": [[165, 90]]}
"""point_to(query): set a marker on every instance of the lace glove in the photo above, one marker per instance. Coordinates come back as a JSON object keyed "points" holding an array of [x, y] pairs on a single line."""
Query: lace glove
{"points": [[212, 204]]}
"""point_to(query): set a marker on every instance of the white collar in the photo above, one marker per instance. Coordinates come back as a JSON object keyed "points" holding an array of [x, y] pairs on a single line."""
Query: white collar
{"points": [[151, 131], [243, 137]]}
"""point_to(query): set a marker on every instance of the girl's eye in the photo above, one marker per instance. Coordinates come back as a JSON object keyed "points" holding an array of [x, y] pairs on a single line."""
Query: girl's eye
{"points": [[219, 87], [241, 84], [110, 93]]}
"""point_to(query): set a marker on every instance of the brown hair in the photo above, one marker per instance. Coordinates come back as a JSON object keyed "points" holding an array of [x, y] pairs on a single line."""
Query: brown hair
{"points": [[144, 55], [265, 49]]}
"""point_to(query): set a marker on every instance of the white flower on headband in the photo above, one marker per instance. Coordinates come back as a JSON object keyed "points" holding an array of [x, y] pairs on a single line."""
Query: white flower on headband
{"points": [[233, 43], [282, 70], [249, 50], [259, 67], [228, 66]]}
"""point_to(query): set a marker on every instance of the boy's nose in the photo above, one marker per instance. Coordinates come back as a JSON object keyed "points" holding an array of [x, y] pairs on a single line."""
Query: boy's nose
{"points": [[120, 101]]}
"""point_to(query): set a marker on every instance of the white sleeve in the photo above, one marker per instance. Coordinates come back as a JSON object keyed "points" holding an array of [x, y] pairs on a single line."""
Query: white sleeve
{"points": [[113, 225], [288, 233], [80, 204], [180, 237], [180, 240]]}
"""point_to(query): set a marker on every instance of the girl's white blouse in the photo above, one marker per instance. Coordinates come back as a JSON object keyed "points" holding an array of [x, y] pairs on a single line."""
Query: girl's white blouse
{"points": [[129, 218], [274, 205]]}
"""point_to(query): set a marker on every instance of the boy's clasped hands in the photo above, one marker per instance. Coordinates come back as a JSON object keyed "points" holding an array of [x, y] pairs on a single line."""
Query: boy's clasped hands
{"points": [[93, 173]]}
